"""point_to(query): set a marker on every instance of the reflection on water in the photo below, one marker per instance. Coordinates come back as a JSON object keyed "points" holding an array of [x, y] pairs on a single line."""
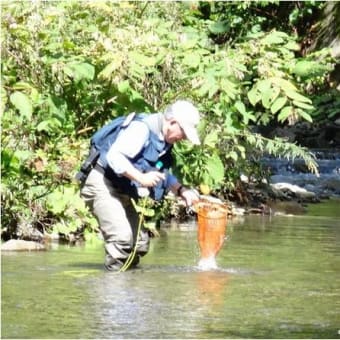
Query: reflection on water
{"points": [[277, 278]]}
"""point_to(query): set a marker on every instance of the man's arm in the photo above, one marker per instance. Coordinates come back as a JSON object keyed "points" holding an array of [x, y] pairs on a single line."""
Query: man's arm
{"points": [[128, 144]]}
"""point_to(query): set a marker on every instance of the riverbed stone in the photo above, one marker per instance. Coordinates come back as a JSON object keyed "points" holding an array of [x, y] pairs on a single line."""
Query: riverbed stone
{"points": [[22, 245], [298, 191]]}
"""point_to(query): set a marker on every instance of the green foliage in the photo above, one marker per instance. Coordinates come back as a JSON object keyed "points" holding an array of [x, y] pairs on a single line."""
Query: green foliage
{"points": [[68, 67]]}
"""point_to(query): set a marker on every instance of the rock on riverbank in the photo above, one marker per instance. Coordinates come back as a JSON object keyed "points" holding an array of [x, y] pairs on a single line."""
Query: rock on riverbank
{"points": [[22, 245]]}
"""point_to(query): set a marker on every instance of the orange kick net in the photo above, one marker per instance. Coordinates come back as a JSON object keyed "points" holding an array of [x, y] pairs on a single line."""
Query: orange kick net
{"points": [[212, 223]]}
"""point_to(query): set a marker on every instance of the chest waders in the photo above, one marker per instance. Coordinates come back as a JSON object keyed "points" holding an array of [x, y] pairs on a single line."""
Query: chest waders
{"points": [[155, 153]]}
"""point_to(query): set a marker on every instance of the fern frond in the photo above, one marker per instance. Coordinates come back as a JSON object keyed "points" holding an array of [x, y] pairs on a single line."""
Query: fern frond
{"points": [[279, 147]]}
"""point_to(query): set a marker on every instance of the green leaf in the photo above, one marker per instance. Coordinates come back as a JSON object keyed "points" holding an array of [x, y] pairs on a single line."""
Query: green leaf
{"points": [[233, 155], [49, 125], [274, 38], [302, 68], [240, 107], [211, 139], [21, 85], [218, 27], [9, 163], [80, 71], [109, 69], [137, 70], [85, 71], [264, 85], [142, 59], [213, 89], [124, 86], [60, 228], [60, 199], [285, 113], [305, 116], [303, 105], [3, 100], [254, 96], [278, 104], [22, 103], [242, 150], [293, 46], [246, 116], [297, 96], [192, 60], [215, 168], [229, 88], [207, 85], [275, 93], [266, 98], [283, 83], [22, 155], [306, 68]]}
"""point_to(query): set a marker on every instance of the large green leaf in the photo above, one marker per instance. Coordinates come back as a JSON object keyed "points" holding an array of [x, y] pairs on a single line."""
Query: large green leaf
{"points": [[215, 169], [278, 104], [124, 86], [283, 83], [219, 27], [263, 85], [306, 68], [192, 60], [266, 97], [285, 113], [107, 71], [297, 96], [209, 83], [303, 105], [142, 59], [80, 71], [229, 87], [254, 96], [293, 46], [305, 116], [240, 107], [211, 139], [274, 38], [22, 103]]}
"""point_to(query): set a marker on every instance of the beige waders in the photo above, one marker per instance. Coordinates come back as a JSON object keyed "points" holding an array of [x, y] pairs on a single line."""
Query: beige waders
{"points": [[117, 218]]}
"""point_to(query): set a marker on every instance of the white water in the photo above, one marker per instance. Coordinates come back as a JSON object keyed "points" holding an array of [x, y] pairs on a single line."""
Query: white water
{"points": [[296, 173], [207, 264]]}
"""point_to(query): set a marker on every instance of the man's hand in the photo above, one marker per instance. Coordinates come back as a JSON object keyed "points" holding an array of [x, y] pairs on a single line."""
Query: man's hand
{"points": [[190, 196], [150, 179], [147, 180]]}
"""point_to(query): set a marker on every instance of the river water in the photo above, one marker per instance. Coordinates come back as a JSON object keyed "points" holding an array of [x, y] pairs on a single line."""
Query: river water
{"points": [[278, 277]]}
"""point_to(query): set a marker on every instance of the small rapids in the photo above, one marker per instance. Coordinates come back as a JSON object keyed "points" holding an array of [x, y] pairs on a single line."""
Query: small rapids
{"points": [[296, 172]]}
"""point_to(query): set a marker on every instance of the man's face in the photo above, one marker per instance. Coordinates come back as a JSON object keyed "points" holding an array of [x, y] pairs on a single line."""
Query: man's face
{"points": [[173, 132]]}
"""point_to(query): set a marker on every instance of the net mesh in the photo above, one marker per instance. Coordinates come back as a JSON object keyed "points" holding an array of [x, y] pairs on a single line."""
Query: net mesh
{"points": [[212, 223]]}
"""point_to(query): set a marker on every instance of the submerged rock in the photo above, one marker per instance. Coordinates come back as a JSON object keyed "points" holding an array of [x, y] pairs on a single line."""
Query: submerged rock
{"points": [[21, 245]]}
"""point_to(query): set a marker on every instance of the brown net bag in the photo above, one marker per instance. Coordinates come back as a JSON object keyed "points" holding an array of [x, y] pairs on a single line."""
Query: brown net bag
{"points": [[212, 225]]}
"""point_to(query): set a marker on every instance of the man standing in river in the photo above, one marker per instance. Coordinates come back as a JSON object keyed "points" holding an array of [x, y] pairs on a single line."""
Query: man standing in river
{"points": [[137, 161]]}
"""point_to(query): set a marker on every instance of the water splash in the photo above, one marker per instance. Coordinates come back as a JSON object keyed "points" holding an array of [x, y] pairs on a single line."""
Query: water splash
{"points": [[207, 263]]}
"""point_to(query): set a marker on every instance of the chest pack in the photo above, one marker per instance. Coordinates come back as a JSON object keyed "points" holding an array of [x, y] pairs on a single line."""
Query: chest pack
{"points": [[101, 142]]}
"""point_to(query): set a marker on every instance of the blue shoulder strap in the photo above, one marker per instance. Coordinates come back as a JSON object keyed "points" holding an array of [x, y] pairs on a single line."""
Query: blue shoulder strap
{"points": [[105, 137], [111, 130]]}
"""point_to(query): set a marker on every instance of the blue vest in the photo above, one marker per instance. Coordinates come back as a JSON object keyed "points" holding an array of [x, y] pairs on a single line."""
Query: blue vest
{"points": [[156, 150]]}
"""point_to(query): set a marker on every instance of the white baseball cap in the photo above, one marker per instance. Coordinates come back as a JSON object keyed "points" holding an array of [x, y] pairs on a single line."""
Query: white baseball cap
{"points": [[187, 116]]}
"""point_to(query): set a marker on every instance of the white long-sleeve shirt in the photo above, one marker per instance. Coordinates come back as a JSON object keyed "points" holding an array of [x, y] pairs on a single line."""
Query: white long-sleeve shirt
{"points": [[131, 141]]}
